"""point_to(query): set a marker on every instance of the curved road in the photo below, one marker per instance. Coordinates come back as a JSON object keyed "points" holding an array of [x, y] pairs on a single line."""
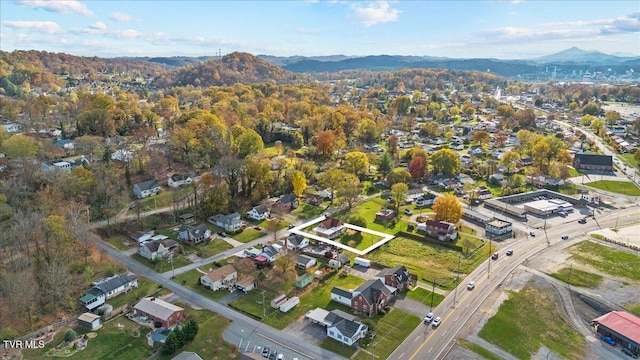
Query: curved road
{"points": [[425, 342]]}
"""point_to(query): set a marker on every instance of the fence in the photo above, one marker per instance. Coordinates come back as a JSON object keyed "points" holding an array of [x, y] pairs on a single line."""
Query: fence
{"points": [[45, 330]]}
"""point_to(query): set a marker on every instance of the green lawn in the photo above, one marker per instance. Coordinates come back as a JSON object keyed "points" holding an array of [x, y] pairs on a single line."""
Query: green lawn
{"points": [[630, 159], [307, 211], [164, 198], [317, 295], [391, 330], [162, 265], [111, 342], [486, 354], [368, 210], [208, 343], [338, 347], [606, 259], [529, 319], [247, 235], [429, 261], [207, 250], [577, 277], [424, 296], [620, 187], [191, 279], [145, 288], [633, 308], [122, 242], [358, 240], [573, 172]]}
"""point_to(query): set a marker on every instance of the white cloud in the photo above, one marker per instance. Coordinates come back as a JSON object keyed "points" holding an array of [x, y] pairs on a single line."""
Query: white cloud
{"points": [[48, 27], [58, 6], [120, 17], [98, 26], [125, 34], [376, 13]]}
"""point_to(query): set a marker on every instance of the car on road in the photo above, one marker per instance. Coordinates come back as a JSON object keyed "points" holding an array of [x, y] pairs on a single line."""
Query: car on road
{"points": [[428, 318], [436, 322], [290, 226], [257, 228], [509, 252], [532, 233], [471, 285], [265, 352], [582, 220], [495, 256], [629, 353], [565, 237], [408, 211]]}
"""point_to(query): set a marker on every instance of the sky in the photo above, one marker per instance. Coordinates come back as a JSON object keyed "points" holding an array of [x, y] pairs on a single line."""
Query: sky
{"points": [[457, 29]]}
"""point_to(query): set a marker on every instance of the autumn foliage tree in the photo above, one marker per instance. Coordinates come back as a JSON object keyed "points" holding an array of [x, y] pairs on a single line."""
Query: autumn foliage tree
{"points": [[448, 208], [417, 168], [325, 143], [299, 183]]}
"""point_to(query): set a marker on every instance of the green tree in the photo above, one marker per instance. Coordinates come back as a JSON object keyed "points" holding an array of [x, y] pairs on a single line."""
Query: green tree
{"points": [[597, 125], [481, 138], [509, 159], [385, 164], [399, 176], [356, 163], [611, 116], [398, 194], [591, 108], [331, 179], [171, 344], [349, 189], [249, 142], [20, 147], [445, 161]]}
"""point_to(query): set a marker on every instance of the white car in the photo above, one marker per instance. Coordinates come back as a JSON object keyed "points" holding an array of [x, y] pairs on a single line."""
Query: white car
{"points": [[471, 285], [428, 318], [408, 211], [436, 322]]}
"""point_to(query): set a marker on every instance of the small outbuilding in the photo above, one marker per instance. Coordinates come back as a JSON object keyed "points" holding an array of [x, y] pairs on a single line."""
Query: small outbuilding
{"points": [[89, 321], [304, 280]]}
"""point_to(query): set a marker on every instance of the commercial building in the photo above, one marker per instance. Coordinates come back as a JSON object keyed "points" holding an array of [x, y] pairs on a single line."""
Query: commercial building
{"points": [[498, 228], [547, 207], [593, 162], [622, 327]]}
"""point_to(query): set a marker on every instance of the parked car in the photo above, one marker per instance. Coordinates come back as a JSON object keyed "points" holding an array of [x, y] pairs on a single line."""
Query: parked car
{"points": [[436, 322], [509, 252], [495, 256], [629, 353], [428, 318], [222, 234], [265, 352], [582, 220], [471, 285], [408, 211], [608, 340], [290, 226], [532, 233], [273, 355], [280, 357], [565, 237], [257, 228]]}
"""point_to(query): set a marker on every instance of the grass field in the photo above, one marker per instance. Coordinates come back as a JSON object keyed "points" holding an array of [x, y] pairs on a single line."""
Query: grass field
{"points": [[145, 288], [208, 343], [606, 259], [391, 330], [428, 261], [207, 250], [629, 159], [162, 265], [337, 347], [307, 211], [425, 296], [529, 319], [247, 235], [318, 295], [486, 354], [633, 308], [620, 187], [122, 242], [368, 210], [577, 277]]}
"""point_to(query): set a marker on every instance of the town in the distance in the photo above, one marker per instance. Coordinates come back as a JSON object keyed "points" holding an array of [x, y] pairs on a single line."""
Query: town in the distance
{"points": [[247, 207]]}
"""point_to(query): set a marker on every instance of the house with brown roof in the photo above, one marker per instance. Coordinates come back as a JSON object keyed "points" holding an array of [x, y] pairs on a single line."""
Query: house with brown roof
{"points": [[160, 311], [330, 228], [397, 277], [222, 278], [368, 298], [440, 230]]}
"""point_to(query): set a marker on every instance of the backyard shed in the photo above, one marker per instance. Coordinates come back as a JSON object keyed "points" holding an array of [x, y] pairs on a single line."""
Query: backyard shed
{"points": [[304, 280]]}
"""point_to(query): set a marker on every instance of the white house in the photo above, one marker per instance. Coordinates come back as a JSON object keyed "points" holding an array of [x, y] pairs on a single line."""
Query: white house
{"points": [[427, 199], [12, 128], [222, 278], [156, 249], [347, 331], [122, 155], [106, 288], [177, 180], [330, 228], [194, 234], [146, 189], [305, 261], [297, 242], [258, 213]]}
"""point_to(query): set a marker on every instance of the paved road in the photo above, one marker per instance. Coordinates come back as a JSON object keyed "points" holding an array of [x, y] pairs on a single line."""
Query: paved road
{"points": [[290, 342], [428, 343]]}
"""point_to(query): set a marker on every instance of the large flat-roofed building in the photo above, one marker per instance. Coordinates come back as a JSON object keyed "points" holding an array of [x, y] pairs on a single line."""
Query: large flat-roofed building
{"points": [[593, 162], [548, 207], [621, 326]]}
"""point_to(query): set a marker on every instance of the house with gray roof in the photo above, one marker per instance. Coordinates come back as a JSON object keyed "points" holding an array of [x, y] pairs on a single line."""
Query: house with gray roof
{"points": [[106, 288], [192, 235], [230, 222], [146, 188]]}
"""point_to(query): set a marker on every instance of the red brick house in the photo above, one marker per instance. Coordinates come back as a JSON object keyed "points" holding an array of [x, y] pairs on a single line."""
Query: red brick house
{"points": [[160, 311], [397, 277], [367, 299], [286, 202], [440, 230], [330, 228]]}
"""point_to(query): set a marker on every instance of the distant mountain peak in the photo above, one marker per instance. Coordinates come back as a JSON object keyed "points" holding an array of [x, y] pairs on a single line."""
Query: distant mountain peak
{"points": [[576, 55]]}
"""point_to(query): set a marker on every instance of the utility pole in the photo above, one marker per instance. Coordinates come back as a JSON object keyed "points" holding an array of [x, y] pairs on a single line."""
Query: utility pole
{"points": [[264, 313], [455, 293], [489, 263], [433, 290]]}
